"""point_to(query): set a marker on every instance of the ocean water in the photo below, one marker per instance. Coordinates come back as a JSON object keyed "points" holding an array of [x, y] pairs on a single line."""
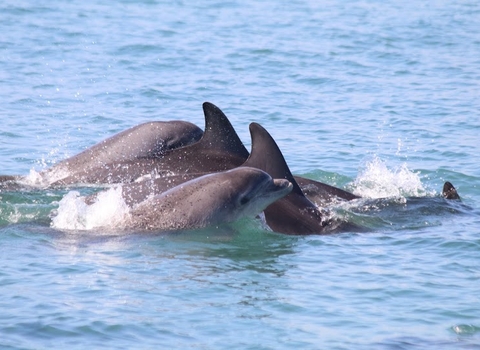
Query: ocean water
{"points": [[379, 98]]}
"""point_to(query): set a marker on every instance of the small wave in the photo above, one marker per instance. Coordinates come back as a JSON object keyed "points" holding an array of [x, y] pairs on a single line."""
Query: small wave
{"points": [[466, 329], [108, 211], [376, 180]]}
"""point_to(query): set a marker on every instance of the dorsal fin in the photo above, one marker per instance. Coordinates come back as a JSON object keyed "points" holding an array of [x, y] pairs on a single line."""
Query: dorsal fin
{"points": [[449, 192], [266, 156], [219, 132]]}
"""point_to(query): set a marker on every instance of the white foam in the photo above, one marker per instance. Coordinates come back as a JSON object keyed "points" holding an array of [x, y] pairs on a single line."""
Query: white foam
{"points": [[376, 180], [33, 179], [108, 211]]}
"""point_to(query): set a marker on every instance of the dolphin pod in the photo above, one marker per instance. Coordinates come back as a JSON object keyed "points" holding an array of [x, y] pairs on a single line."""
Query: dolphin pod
{"points": [[219, 149], [156, 158]]}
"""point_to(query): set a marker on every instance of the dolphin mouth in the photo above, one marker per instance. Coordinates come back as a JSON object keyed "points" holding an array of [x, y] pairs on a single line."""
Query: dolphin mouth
{"points": [[282, 185]]}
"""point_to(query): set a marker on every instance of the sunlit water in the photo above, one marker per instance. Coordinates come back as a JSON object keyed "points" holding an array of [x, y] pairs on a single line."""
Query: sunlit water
{"points": [[379, 98]]}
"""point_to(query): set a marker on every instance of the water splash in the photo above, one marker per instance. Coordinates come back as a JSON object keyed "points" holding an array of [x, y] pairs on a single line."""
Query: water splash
{"points": [[108, 211], [376, 180]]}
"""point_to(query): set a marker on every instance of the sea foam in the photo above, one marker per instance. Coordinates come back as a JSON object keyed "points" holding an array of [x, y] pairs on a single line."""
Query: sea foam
{"points": [[108, 211]]}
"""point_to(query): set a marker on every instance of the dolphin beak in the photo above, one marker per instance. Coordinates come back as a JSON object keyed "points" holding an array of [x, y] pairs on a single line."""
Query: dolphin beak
{"points": [[282, 185]]}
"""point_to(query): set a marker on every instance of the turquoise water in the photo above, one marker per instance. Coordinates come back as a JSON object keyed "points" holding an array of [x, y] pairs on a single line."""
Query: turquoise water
{"points": [[380, 98]]}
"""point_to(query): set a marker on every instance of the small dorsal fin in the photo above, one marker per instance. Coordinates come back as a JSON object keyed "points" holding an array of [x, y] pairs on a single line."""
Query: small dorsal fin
{"points": [[266, 155], [219, 132], [449, 192]]}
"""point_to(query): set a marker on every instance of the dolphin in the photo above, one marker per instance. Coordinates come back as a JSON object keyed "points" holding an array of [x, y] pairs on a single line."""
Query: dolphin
{"points": [[212, 199], [148, 140], [449, 191], [219, 148], [294, 214], [144, 141]]}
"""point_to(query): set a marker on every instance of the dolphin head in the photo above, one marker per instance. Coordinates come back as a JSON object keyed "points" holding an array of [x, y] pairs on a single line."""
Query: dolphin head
{"points": [[254, 190]]}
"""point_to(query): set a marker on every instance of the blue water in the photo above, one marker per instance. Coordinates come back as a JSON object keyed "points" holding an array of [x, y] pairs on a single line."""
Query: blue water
{"points": [[380, 98]]}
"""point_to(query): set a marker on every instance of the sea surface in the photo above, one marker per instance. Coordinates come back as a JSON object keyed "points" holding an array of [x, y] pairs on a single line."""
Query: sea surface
{"points": [[381, 98]]}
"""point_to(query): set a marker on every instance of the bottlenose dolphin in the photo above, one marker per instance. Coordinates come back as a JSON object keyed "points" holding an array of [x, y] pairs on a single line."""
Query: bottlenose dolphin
{"points": [[294, 214], [218, 149], [148, 140], [145, 141], [209, 200]]}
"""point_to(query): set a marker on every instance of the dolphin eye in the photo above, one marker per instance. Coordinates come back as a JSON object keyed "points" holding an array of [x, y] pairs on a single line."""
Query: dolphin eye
{"points": [[244, 200]]}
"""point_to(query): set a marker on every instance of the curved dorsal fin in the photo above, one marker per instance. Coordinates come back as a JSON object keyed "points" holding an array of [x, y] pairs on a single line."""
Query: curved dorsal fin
{"points": [[266, 156], [219, 133], [449, 191]]}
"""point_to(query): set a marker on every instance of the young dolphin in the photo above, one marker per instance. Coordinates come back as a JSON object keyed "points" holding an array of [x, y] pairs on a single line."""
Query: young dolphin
{"points": [[209, 200]]}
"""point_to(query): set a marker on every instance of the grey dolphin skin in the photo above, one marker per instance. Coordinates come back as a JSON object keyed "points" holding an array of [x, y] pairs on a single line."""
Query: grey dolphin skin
{"points": [[144, 141], [209, 200], [294, 214], [450, 192], [322, 194]]}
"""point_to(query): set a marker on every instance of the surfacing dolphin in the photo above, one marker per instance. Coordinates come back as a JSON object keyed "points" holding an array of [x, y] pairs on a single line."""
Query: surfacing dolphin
{"points": [[449, 191], [218, 149], [148, 140], [145, 141], [209, 200], [294, 214]]}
